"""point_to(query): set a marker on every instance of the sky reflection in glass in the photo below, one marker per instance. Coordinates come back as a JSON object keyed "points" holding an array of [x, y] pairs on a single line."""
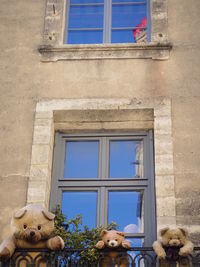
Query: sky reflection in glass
{"points": [[124, 208], [124, 156], [81, 159], [74, 203]]}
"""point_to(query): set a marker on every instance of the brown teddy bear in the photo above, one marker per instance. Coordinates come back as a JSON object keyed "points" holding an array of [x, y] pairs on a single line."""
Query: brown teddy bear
{"points": [[173, 243], [113, 240], [32, 227]]}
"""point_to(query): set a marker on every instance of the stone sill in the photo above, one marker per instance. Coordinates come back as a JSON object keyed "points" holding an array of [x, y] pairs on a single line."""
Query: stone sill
{"points": [[153, 51]]}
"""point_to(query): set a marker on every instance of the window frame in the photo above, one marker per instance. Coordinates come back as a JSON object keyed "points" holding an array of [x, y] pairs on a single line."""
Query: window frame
{"points": [[52, 48], [107, 20], [103, 185]]}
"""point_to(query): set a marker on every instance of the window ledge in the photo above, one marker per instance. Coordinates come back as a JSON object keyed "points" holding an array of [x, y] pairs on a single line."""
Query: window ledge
{"points": [[156, 51]]}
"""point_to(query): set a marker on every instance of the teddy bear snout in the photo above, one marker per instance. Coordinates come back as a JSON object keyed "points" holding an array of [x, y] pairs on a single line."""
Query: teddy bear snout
{"points": [[32, 233], [174, 243], [113, 243]]}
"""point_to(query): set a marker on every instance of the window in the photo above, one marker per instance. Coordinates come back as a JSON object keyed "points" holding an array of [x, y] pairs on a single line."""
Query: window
{"points": [[107, 21], [107, 178]]}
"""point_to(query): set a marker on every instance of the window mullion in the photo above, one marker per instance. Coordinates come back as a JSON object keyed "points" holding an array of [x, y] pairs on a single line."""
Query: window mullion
{"points": [[148, 5], [107, 21], [103, 158], [65, 35]]}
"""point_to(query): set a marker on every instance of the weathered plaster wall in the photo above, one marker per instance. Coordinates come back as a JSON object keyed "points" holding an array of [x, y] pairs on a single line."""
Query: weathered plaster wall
{"points": [[25, 81]]}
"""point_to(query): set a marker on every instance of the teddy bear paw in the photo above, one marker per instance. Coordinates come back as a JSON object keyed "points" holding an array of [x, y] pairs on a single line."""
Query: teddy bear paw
{"points": [[4, 254], [56, 243], [162, 255], [183, 252], [126, 244], [100, 244]]}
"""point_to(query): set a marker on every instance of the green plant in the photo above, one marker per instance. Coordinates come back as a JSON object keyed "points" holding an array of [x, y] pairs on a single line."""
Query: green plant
{"points": [[78, 236]]}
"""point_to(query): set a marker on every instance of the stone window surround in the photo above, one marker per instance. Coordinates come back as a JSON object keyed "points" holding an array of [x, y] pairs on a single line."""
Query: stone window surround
{"points": [[43, 142], [53, 48]]}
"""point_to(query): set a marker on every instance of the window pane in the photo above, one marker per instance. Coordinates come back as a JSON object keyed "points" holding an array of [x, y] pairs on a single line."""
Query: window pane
{"points": [[126, 209], [127, 15], [86, 1], [129, 1], [126, 159], [74, 203], [86, 17], [85, 37], [122, 36], [81, 159]]}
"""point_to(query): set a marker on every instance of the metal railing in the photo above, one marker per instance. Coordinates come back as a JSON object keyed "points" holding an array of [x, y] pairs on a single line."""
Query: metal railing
{"points": [[134, 257]]}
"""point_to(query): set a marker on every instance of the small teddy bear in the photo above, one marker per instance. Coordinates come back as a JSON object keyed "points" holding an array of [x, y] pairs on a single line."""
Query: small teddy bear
{"points": [[113, 240], [173, 243], [32, 227]]}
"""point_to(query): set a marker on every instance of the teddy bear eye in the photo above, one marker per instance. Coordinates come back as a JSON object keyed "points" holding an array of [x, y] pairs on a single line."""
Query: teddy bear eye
{"points": [[39, 227], [116, 239], [108, 240], [25, 226]]}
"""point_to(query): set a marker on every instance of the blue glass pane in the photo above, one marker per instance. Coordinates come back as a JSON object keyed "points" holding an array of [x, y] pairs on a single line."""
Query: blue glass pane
{"points": [[127, 15], [86, 1], [81, 159], [74, 203], [85, 37], [135, 242], [129, 1], [126, 159], [126, 209], [122, 36], [86, 17]]}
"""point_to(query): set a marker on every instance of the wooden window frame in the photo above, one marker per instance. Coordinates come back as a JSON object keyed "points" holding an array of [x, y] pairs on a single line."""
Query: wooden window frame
{"points": [[107, 21], [103, 185]]}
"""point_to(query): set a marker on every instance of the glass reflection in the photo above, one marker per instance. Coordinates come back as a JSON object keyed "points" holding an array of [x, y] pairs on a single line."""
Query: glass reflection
{"points": [[81, 159], [126, 209], [86, 17], [126, 159], [74, 203]]}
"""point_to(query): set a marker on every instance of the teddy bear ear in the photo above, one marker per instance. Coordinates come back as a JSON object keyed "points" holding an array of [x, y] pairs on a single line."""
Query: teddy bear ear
{"points": [[121, 233], [184, 231], [48, 215], [103, 232], [164, 230], [20, 213]]}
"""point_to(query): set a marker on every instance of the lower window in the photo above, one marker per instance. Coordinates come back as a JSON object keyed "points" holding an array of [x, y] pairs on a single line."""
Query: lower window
{"points": [[106, 178]]}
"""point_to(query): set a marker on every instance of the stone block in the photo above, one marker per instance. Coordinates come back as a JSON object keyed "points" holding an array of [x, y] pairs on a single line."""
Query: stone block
{"points": [[162, 144], [39, 173], [43, 114], [164, 164], [41, 154], [163, 221], [164, 186], [42, 135], [166, 206], [163, 125]]}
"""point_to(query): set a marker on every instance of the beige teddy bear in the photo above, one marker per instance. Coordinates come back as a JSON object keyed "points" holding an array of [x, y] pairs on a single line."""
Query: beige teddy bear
{"points": [[32, 227], [113, 239], [173, 243]]}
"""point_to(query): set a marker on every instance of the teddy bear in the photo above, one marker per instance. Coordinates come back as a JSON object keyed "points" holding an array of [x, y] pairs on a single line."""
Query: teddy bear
{"points": [[172, 245], [112, 240], [31, 227]]}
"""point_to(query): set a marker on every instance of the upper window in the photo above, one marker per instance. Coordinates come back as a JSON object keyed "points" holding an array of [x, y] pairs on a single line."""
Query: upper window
{"points": [[107, 178], [107, 21]]}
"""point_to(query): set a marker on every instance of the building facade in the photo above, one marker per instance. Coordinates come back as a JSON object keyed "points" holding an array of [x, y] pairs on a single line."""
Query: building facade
{"points": [[126, 91]]}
